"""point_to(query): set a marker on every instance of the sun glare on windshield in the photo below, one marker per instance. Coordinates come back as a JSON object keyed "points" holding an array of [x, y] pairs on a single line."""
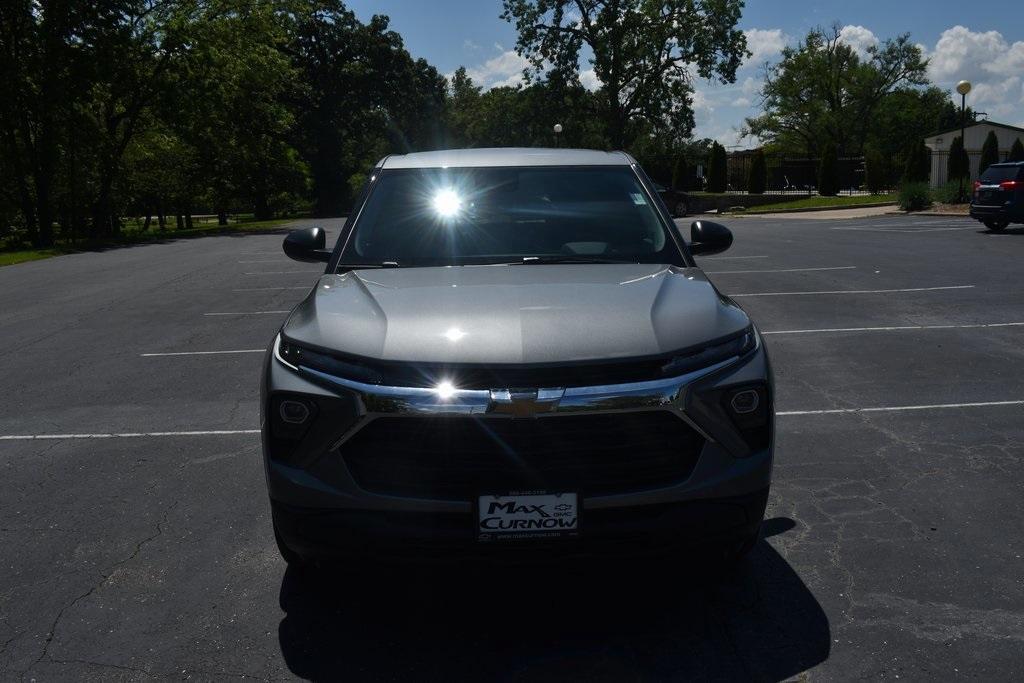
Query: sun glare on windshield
{"points": [[447, 203]]}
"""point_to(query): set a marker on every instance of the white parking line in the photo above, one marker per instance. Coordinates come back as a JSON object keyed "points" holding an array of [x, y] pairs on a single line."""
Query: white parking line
{"points": [[200, 353], [284, 272], [248, 313], [268, 289], [906, 229], [886, 409], [856, 291], [124, 435], [777, 270], [721, 258], [948, 222], [895, 328]]}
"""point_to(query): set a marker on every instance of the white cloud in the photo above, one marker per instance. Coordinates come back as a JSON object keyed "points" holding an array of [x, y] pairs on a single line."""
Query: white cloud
{"points": [[859, 38], [470, 45], [764, 44], [505, 69], [989, 62], [589, 79]]}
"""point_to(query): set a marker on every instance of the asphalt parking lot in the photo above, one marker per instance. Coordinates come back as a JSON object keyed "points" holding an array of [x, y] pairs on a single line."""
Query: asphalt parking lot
{"points": [[135, 529]]}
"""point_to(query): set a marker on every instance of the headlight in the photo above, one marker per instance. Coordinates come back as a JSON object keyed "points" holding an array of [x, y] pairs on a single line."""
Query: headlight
{"points": [[733, 347], [300, 357]]}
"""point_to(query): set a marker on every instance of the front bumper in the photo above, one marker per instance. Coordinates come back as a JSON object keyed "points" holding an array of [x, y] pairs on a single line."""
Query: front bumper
{"points": [[320, 508]]}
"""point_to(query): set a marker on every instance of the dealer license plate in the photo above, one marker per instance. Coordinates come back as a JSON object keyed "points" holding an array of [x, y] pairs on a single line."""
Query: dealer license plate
{"points": [[530, 515]]}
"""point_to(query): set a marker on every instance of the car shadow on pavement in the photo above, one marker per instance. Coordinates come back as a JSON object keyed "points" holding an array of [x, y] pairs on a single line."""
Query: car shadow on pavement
{"points": [[1009, 230], [645, 621]]}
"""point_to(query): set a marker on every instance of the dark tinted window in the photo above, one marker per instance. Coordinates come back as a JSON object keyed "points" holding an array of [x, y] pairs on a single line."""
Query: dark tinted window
{"points": [[496, 215], [998, 174]]}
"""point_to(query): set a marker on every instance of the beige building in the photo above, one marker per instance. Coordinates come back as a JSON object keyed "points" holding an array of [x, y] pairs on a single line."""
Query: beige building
{"points": [[974, 137]]}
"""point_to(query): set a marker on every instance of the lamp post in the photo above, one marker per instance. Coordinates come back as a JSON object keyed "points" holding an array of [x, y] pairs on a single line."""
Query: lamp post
{"points": [[963, 87], [558, 130]]}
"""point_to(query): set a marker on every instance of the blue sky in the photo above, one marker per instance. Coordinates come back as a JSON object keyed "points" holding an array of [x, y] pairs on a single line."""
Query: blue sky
{"points": [[984, 45]]}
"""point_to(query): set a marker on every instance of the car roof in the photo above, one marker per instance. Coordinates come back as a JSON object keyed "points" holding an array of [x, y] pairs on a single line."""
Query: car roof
{"points": [[506, 156], [1007, 164]]}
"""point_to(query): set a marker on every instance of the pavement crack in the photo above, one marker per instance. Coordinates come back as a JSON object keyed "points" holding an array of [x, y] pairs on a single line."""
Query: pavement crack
{"points": [[104, 576]]}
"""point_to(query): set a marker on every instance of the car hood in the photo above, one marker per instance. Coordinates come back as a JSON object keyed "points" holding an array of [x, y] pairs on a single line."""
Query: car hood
{"points": [[513, 313]]}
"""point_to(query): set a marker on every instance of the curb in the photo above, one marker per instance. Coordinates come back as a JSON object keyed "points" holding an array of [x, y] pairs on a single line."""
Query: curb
{"points": [[811, 209], [948, 214]]}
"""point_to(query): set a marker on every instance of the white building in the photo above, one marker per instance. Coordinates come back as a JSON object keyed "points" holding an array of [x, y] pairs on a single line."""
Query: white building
{"points": [[974, 136]]}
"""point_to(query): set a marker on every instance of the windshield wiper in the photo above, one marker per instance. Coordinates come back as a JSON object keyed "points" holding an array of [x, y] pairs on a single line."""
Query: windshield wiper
{"points": [[570, 259], [364, 266]]}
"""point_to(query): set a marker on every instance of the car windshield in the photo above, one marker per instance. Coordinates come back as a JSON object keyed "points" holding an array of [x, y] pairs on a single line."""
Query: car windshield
{"points": [[994, 175], [466, 216]]}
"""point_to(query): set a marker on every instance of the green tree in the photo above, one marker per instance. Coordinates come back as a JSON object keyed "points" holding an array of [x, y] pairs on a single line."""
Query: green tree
{"points": [[905, 115], [353, 81], [717, 169], [918, 163], [828, 172], [822, 90], [876, 171], [757, 181], [680, 173], [1016, 151], [950, 117], [959, 164], [989, 152], [644, 54]]}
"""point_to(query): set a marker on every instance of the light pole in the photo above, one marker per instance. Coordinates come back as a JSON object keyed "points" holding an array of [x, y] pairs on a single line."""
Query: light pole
{"points": [[963, 87], [558, 130]]}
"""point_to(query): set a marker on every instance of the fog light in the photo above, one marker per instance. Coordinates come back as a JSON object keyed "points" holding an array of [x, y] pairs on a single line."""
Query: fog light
{"points": [[293, 412], [745, 402]]}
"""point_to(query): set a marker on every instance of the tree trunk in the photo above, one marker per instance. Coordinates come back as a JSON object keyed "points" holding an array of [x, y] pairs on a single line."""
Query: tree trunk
{"points": [[188, 219], [179, 221], [262, 210], [149, 220], [161, 219], [222, 218], [44, 237]]}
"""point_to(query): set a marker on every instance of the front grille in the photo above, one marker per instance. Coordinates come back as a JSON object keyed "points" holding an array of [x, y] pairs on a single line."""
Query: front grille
{"points": [[460, 458]]}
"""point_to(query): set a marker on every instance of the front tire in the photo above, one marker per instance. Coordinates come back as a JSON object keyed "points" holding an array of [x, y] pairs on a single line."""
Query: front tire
{"points": [[294, 560], [681, 209], [996, 226]]}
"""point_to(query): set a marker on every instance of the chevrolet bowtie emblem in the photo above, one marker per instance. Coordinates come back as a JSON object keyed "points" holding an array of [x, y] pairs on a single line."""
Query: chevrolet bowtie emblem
{"points": [[524, 402]]}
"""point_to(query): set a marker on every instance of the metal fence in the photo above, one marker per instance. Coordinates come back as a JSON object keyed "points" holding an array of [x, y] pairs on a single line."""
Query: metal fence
{"points": [[799, 175], [940, 166], [785, 175]]}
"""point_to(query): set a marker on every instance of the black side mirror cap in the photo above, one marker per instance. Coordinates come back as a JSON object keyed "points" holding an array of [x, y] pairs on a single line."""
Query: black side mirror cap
{"points": [[709, 238], [307, 245]]}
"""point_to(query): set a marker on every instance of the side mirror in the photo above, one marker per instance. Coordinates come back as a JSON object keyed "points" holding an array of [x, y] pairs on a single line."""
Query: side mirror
{"points": [[307, 245], [709, 238]]}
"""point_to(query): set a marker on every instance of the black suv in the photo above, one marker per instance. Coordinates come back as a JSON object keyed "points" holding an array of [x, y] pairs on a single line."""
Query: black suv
{"points": [[999, 195]]}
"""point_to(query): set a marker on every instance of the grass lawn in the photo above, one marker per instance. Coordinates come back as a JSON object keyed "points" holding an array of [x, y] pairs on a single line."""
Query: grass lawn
{"points": [[133, 235], [817, 202]]}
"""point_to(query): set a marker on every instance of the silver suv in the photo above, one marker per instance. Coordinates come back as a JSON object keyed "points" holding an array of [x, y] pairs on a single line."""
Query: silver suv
{"points": [[511, 352]]}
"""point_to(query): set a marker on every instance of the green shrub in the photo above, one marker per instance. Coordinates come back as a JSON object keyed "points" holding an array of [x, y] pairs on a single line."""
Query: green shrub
{"points": [[959, 164], [717, 170], [828, 172], [757, 180], [876, 171], [1016, 151], [918, 167], [950, 192], [914, 197], [989, 152]]}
